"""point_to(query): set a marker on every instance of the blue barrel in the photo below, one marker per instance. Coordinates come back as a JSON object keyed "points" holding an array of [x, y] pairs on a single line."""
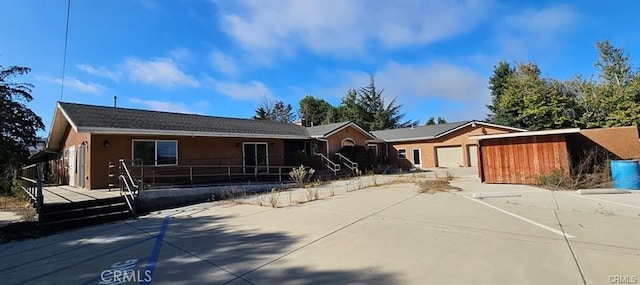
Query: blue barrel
{"points": [[625, 174]]}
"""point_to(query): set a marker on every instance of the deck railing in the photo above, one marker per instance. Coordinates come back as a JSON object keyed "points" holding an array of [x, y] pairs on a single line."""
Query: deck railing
{"points": [[141, 177], [31, 178]]}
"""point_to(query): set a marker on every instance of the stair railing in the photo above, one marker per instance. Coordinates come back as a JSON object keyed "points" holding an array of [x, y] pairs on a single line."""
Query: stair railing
{"points": [[348, 163], [329, 164], [32, 184], [128, 187]]}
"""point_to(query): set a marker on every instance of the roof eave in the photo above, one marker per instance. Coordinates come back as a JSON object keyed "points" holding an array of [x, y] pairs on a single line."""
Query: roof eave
{"points": [[528, 134], [117, 131], [410, 139]]}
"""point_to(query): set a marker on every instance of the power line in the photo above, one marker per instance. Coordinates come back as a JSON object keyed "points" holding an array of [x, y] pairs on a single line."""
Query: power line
{"points": [[64, 57]]}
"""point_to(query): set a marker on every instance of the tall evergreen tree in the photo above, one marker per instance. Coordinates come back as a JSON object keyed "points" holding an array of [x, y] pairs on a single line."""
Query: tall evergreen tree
{"points": [[498, 84], [433, 121], [275, 111], [615, 99], [315, 111], [18, 124]]}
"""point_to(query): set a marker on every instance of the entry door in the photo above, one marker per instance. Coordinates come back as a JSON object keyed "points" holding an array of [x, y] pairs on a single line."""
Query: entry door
{"points": [[82, 150], [256, 158], [72, 166], [416, 158]]}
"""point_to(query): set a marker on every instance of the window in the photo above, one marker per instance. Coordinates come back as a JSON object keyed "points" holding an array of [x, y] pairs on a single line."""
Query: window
{"points": [[402, 153], [348, 142], [155, 152], [373, 148]]}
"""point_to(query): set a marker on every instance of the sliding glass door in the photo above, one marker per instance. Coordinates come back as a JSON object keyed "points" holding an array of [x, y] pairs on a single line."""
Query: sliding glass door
{"points": [[255, 158]]}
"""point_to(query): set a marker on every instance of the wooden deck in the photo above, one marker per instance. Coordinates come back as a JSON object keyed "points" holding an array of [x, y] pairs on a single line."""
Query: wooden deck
{"points": [[67, 194]]}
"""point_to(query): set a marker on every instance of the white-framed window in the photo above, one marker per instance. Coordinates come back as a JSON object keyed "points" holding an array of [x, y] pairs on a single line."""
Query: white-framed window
{"points": [[155, 152], [402, 153], [373, 148], [348, 142]]}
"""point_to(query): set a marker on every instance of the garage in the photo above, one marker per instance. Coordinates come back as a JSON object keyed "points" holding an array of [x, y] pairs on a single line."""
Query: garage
{"points": [[472, 150], [449, 156]]}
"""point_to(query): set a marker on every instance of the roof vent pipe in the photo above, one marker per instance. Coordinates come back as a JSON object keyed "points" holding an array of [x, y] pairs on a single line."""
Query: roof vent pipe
{"points": [[115, 100]]}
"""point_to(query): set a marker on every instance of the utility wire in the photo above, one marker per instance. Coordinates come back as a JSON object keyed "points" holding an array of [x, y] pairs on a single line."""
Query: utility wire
{"points": [[64, 57]]}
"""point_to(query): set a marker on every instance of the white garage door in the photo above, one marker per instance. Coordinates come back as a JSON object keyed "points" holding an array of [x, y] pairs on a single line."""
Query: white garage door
{"points": [[449, 156], [473, 155]]}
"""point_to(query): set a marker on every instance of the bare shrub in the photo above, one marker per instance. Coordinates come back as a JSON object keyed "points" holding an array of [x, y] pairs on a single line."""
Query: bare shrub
{"points": [[554, 180], [274, 198], [301, 175], [589, 169], [437, 185]]}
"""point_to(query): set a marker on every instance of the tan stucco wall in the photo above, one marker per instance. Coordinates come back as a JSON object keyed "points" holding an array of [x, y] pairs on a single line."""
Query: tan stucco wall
{"points": [[191, 150], [335, 140], [622, 141], [428, 147]]}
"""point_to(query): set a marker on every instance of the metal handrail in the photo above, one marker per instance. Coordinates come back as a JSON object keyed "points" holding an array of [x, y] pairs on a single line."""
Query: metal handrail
{"points": [[123, 165], [130, 193], [348, 163], [125, 187], [329, 164]]}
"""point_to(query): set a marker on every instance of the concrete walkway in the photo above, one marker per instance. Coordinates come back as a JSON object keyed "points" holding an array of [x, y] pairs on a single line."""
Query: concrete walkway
{"points": [[379, 235]]}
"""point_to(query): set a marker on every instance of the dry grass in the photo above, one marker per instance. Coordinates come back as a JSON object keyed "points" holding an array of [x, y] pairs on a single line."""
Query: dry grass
{"points": [[19, 205], [590, 170], [438, 185]]}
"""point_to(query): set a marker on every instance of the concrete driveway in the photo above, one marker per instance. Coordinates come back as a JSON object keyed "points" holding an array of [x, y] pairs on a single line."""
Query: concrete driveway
{"points": [[380, 235]]}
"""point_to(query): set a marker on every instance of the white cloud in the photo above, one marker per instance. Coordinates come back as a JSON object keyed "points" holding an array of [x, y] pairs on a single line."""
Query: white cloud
{"points": [[164, 106], [347, 27], [460, 91], [74, 83], [224, 63], [100, 71], [149, 4], [408, 81], [436, 80], [162, 72], [180, 54], [248, 91], [535, 29]]}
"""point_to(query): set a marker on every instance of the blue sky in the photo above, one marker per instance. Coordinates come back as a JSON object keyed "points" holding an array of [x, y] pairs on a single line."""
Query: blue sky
{"points": [[223, 58]]}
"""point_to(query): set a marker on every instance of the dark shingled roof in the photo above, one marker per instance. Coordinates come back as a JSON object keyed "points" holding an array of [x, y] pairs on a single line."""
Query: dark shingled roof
{"points": [[88, 117], [423, 132], [320, 131]]}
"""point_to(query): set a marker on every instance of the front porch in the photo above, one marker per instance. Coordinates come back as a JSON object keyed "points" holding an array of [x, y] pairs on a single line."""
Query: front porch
{"points": [[63, 194]]}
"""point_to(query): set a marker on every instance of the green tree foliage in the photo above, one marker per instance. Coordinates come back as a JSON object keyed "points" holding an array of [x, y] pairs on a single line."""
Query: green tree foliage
{"points": [[275, 111], [498, 84], [18, 124], [537, 103], [315, 111], [614, 100], [433, 121], [366, 107], [522, 98]]}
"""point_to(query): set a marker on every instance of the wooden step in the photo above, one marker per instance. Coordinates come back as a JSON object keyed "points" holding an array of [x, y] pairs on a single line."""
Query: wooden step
{"points": [[83, 212], [48, 208], [57, 217]]}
